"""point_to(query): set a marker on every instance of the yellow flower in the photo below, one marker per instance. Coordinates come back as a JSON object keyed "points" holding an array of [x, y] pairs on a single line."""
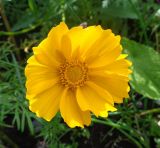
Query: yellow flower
{"points": [[78, 71]]}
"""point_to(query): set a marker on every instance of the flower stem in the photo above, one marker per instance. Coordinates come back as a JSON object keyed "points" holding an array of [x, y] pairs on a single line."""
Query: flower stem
{"points": [[19, 32], [118, 127], [155, 110]]}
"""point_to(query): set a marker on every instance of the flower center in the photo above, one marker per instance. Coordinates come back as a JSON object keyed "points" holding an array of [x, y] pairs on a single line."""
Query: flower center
{"points": [[73, 74]]}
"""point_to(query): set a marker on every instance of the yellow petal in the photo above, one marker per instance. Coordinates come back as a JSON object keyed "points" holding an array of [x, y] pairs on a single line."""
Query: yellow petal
{"points": [[56, 33], [71, 112], [122, 56], [102, 92], [46, 104], [119, 67], [100, 43], [33, 70], [44, 57], [117, 100], [89, 99], [47, 52], [32, 60], [104, 59], [105, 50], [66, 47], [87, 38], [75, 34], [116, 85], [82, 39], [39, 79]]}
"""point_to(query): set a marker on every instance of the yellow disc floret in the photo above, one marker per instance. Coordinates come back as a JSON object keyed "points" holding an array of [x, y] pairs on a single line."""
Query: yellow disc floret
{"points": [[73, 74]]}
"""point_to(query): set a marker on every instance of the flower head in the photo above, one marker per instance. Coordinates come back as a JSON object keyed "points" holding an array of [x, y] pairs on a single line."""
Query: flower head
{"points": [[77, 71]]}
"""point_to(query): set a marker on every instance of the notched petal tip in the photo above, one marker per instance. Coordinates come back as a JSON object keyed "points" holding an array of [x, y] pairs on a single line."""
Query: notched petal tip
{"points": [[122, 56], [103, 114], [73, 124], [71, 112], [129, 62]]}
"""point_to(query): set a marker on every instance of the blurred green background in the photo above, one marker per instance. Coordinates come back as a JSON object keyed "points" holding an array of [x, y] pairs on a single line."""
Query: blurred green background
{"points": [[24, 23]]}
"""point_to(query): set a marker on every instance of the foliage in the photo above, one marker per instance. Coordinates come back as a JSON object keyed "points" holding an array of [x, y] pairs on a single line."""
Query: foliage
{"points": [[136, 121], [146, 68]]}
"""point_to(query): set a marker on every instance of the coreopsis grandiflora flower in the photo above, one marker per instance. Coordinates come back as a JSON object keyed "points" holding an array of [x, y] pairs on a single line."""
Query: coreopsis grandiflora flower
{"points": [[77, 71]]}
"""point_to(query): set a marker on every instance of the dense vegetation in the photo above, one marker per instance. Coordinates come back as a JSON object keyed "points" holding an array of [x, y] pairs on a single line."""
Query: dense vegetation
{"points": [[24, 23]]}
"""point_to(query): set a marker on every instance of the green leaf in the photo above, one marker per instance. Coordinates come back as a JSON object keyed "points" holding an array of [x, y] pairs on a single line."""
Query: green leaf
{"points": [[154, 129], [23, 121], [25, 21], [16, 120], [29, 121], [32, 5], [145, 78]]}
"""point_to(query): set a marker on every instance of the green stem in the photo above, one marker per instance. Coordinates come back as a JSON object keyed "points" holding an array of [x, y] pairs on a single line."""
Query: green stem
{"points": [[131, 138], [106, 123], [6, 22], [63, 10], [118, 127], [19, 32], [151, 111]]}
